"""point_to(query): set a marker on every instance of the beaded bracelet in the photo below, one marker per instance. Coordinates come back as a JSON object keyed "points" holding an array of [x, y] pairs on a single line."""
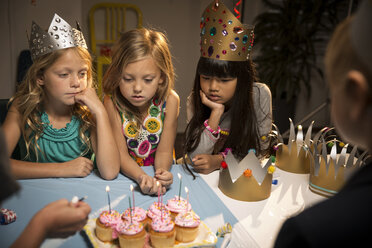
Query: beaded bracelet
{"points": [[210, 129]]}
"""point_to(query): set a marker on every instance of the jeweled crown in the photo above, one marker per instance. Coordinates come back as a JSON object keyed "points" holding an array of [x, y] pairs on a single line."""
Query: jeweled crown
{"points": [[60, 35], [223, 36], [246, 180]]}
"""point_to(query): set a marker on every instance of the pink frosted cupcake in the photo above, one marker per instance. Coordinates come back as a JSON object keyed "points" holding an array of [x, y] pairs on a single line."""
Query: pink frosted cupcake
{"points": [[131, 234], [155, 211], [105, 224], [162, 232], [187, 226], [138, 214], [177, 205]]}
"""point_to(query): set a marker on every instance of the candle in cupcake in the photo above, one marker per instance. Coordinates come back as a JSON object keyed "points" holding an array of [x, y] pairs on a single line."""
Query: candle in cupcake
{"points": [[108, 197]]}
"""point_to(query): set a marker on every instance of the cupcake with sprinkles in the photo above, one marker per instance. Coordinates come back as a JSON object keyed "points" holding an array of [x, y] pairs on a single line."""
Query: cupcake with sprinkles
{"points": [[177, 205], [105, 225], [131, 234], [162, 232], [187, 226], [156, 209], [137, 214]]}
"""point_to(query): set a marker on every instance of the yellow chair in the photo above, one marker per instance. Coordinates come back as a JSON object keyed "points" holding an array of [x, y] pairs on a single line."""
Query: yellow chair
{"points": [[114, 16]]}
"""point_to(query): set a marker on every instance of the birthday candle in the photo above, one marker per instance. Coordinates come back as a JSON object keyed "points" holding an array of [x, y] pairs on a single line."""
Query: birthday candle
{"points": [[158, 184], [179, 192], [131, 189], [187, 203], [108, 197], [130, 210]]}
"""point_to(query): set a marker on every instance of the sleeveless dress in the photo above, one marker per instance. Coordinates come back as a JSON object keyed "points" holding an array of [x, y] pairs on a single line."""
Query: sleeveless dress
{"points": [[142, 143], [57, 145]]}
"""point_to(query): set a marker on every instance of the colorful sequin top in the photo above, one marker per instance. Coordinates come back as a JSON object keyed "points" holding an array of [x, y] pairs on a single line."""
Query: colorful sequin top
{"points": [[142, 143]]}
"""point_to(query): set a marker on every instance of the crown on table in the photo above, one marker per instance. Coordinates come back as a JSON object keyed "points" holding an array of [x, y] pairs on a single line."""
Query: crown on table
{"points": [[294, 156], [60, 35], [223, 36], [329, 169], [246, 180]]}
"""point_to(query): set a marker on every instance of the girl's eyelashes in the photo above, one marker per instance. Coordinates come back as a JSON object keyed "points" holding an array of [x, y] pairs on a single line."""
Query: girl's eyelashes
{"points": [[148, 80], [62, 75]]}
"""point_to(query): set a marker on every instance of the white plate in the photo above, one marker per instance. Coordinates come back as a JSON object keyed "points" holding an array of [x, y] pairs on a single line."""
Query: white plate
{"points": [[205, 237]]}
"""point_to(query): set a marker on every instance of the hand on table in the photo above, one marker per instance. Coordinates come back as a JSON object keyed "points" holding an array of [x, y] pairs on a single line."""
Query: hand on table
{"points": [[164, 177], [206, 163], [78, 167]]}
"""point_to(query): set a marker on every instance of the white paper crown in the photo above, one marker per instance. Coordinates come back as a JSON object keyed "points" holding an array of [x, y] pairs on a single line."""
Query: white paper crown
{"points": [[234, 182], [293, 157], [330, 170], [60, 35]]}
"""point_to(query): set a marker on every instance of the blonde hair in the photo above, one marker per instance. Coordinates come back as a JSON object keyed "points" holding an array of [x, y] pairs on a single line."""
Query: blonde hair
{"points": [[340, 55], [134, 46], [30, 95]]}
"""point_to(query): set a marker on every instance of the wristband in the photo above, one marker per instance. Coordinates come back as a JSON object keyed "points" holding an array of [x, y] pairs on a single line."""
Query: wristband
{"points": [[214, 132]]}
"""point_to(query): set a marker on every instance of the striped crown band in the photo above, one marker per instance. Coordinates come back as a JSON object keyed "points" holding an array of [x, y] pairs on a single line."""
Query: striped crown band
{"points": [[223, 36], [60, 35]]}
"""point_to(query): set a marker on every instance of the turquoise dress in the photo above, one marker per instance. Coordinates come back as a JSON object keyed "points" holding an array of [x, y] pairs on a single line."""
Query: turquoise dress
{"points": [[58, 145]]}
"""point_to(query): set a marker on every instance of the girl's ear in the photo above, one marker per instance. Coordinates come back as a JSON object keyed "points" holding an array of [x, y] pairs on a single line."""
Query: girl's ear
{"points": [[357, 90], [161, 79], [40, 80]]}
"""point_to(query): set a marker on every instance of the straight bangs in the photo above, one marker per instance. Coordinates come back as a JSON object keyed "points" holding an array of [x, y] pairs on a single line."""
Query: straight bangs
{"points": [[218, 68]]}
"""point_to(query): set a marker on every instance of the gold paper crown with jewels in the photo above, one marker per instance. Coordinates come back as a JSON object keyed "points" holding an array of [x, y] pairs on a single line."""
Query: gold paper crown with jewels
{"points": [[246, 180], [223, 36], [294, 157], [329, 171], [60, 35]]}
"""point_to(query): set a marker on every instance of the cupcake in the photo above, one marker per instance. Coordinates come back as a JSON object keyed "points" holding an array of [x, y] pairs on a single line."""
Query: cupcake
{"points": [[138, 214], [155, 210], [162, 232], [187, 226], [105, 225], [177, 205], [131, 234]]}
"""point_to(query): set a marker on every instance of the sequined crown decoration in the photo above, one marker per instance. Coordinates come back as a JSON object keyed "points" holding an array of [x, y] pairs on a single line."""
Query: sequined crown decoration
{"points": [[246, 180], [294, 157], [223, 36], [332, 163], [60, 35]]}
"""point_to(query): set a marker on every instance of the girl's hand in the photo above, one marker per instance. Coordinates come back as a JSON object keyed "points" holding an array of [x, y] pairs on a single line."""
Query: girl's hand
{"points": [[210, 104], [205, 163], [164, 177], [89, 98], [147, 184], [79, 167]]}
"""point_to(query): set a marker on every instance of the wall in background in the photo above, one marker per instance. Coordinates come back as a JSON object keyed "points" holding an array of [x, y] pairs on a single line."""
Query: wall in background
{"points": [[179, 19]]}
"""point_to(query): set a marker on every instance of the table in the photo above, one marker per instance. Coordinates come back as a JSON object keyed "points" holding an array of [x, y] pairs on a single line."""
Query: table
{"points": [[36, 193], [258, 225], [262, 220]]}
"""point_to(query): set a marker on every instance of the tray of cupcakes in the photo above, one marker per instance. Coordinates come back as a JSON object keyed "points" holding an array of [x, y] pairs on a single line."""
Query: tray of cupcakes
{"points": [[173, 224]]}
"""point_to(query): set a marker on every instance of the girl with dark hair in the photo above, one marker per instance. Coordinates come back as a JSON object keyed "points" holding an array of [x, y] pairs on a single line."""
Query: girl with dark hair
{"points": [[227, 107]]}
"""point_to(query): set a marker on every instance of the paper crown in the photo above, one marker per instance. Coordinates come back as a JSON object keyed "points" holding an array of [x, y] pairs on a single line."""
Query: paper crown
{"points": [[246, 180], [60, 35], [223, 36], [329, 169], [294, 157]]}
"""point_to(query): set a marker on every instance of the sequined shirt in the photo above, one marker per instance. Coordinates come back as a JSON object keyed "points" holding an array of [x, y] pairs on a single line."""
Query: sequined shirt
{"points": [[142, 143]]}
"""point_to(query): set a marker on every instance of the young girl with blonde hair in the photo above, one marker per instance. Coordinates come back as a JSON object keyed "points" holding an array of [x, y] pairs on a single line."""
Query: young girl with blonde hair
{"points": [[56, 115], [143, 107]]}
